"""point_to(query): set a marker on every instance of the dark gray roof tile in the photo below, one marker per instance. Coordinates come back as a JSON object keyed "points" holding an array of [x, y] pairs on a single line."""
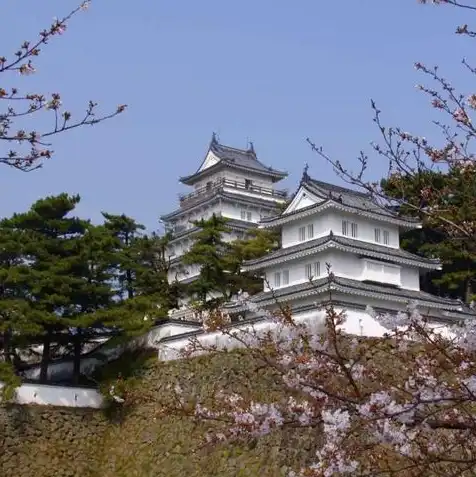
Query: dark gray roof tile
{"points": [[395, 255], [356, 287]]}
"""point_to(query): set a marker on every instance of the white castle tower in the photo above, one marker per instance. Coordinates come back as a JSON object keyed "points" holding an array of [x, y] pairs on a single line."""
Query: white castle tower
{"points": [[231, 183], [327, 225]]}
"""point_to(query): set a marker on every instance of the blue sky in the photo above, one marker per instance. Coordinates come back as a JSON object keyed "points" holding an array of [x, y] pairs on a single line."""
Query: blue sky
{"points": [[270, 71]]}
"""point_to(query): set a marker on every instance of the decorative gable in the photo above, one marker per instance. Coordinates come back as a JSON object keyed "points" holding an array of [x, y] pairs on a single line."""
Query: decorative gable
{"points": [[302, 199], [209, 161]]}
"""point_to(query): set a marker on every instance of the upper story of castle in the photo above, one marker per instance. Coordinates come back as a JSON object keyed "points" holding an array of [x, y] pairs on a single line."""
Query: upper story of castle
{"points": [[230, 182]]}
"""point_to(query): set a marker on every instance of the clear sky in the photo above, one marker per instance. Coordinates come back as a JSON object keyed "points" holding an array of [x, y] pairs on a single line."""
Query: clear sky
{"points": [[270, 71]]}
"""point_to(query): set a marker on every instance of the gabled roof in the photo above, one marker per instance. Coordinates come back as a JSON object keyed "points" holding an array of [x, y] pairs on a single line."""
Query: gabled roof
{"points": [[219, 156], [345, 244], [357, 288], [341, 198]]}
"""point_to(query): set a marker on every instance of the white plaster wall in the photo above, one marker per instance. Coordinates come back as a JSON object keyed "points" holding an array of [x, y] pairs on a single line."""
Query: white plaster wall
{"points": [[410, 278], [297, 270], [331, 220], [343, 264], [46, 395], [88, 364], [366, 228]]}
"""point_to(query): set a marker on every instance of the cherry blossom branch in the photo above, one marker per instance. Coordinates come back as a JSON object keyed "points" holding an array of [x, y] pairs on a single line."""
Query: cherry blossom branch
{"points": [[22, 63]]}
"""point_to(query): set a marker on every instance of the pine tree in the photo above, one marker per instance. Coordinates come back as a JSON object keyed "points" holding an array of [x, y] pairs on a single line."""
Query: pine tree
{"points": [[127, 231], [211, 253], [16, 328], [49, 239], [152, 273], [256, 244], [453, 195]]}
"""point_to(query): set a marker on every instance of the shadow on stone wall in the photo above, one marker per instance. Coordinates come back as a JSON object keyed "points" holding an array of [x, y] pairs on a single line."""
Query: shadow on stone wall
{"points": [[138, 440]]}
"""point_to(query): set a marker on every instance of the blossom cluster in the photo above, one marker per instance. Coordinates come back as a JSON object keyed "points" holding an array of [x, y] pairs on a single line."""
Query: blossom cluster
{"points": [[419, 413]]}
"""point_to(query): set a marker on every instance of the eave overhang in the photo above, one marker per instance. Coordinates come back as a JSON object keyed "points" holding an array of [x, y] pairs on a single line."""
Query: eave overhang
{"points": [[332, 241]]}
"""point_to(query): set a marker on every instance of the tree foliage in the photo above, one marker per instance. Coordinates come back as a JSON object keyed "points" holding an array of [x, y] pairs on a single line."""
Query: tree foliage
{"points": [[456, 202], [65, 282]]}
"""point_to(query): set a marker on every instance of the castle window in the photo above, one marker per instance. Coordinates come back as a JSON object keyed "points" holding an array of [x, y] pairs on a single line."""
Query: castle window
{"points": [[377, 235], [249, 216], [285, 277], [386, 237], [302, 234], [349, 228], [308, 270], [243, 214], [310, 231], [277, 279], [317, 269]]}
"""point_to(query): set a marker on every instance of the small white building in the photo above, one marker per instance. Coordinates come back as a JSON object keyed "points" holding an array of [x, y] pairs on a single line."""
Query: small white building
{"points": [[339, 245], [231, 183]]}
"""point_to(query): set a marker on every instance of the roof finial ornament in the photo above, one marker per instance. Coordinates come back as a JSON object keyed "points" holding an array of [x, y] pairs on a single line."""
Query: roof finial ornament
{"points": [[305, 175], [214, 140], [251, 147]]}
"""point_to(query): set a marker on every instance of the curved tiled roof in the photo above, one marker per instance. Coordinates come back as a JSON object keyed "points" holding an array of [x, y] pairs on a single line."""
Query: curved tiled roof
{"points": [[341, 198], [217, 195], [356, 288], [358, 247], [244, 159]]}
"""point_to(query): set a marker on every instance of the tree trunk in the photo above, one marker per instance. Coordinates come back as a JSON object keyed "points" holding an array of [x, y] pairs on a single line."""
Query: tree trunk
{"points": [[468, 292], [129, 281], [7, 354], [45, 358], [77, 356]]}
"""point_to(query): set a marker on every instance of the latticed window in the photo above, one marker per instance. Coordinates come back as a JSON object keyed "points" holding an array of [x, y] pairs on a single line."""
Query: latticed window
{"points": [[308, 270], [377, 235], [302, 234], [310, 231], [317, 269], [285, 277], [386, 237], [277, 279], [353, 229]]}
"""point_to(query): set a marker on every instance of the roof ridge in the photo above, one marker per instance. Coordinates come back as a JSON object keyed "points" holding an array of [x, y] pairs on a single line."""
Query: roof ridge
{"points": [[337, 188]]}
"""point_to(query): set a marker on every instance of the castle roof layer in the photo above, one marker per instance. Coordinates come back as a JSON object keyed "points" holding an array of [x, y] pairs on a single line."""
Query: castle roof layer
{"points": [[230, 157], [215, 196], [349, 286], [344, 244], [330, 196]]}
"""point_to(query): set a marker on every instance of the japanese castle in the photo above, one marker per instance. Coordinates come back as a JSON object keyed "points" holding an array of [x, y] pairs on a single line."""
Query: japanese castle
{"points": [[337, 244], [231, 183]]}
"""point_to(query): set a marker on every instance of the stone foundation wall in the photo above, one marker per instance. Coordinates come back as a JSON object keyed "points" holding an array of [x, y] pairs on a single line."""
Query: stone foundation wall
{"points": [[139, 439], [43, 441]]}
